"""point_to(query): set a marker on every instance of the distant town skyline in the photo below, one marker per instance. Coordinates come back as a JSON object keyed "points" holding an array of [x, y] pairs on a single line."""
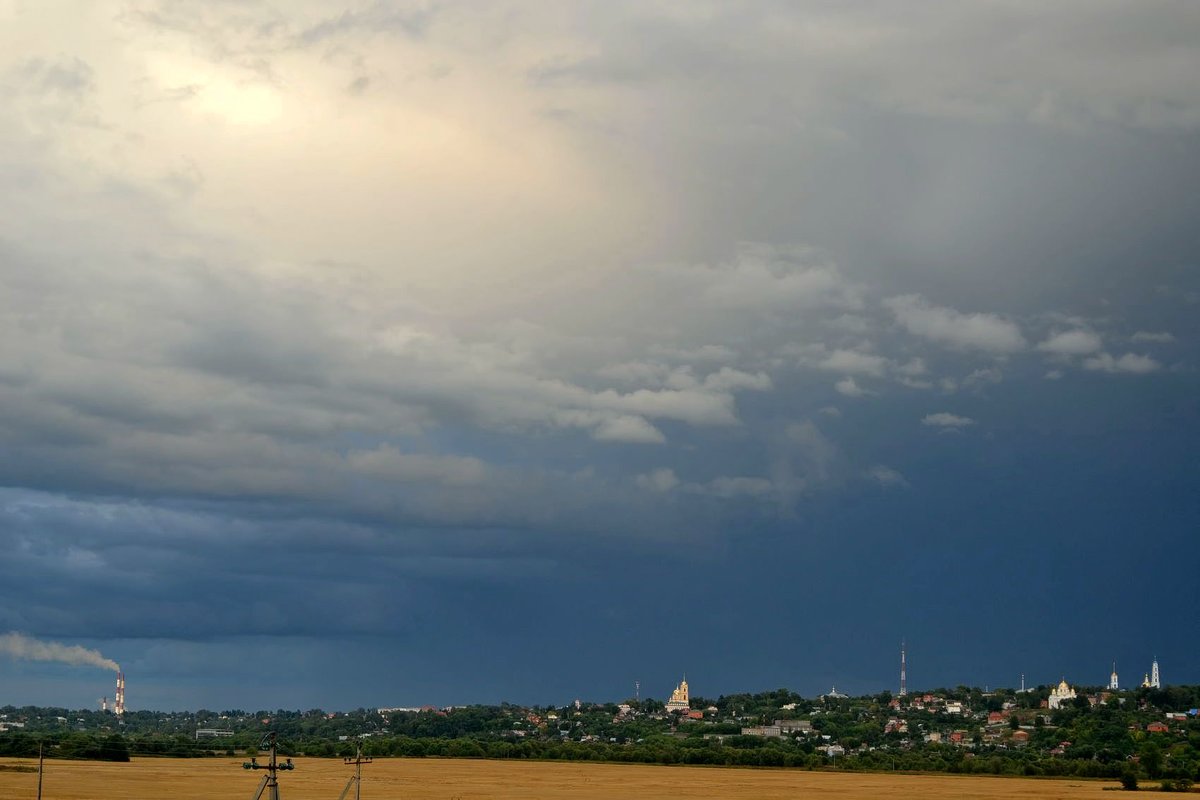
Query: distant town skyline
{"points": [[74, 657]]}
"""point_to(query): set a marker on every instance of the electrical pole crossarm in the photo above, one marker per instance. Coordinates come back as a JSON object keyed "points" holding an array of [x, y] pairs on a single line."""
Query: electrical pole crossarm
{"points": [[270, 780]]}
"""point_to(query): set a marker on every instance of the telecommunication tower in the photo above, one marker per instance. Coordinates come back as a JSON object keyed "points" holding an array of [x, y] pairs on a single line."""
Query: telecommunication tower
{"points": [[903, 674]]}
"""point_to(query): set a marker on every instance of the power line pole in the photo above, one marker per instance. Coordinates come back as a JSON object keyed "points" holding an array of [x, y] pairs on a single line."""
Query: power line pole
{"points": [[41, 762], [269, 781], [356, 778]]}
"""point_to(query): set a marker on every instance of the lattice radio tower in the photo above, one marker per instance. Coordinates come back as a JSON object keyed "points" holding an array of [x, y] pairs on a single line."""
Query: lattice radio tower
{"points": [[356, 778], [269, 781], [903, 673]]}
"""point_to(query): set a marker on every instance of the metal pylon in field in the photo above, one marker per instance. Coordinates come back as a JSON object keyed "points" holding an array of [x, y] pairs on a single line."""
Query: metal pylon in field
{"points": [[356, 778], [269, 782]]}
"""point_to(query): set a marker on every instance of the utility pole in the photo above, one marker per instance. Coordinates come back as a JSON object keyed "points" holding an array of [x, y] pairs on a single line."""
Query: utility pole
{"points": [[269, 781], [356, 778], [41, 762]]}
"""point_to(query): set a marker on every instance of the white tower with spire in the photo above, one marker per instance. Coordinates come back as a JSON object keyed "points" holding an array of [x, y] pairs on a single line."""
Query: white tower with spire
{"points": [[1155, 683], [1113, 683], [903, 673]]}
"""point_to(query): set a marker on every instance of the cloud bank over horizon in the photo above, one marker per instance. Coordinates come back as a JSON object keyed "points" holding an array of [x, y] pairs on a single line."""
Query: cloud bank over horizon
{"points": [[403, 321]]}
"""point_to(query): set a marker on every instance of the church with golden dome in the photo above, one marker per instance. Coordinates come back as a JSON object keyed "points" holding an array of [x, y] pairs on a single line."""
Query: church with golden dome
{"points": [[679, 698], [1060, 694]]}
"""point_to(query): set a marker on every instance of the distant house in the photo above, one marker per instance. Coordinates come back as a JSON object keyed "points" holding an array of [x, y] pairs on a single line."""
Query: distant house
{"points": [[1157, 727], [1020, 737], [794, 725], [769, 731], [213, 733], [997, 717]]}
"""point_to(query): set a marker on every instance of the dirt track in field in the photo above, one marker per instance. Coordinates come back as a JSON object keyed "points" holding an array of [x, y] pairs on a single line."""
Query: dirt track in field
{"points": [[452, 779]]}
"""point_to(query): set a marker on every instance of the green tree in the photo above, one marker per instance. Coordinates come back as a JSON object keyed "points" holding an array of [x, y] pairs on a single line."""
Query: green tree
{"points": [[1151, 758]]}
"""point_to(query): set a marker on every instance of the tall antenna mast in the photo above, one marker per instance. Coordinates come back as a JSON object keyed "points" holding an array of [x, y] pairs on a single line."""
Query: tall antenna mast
{"points": [[356, 778], [269, 781], [903, 675], [637, 691]]}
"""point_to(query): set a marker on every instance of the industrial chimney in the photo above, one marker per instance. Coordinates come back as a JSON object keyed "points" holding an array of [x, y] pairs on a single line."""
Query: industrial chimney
{"points": [[119, 700]]}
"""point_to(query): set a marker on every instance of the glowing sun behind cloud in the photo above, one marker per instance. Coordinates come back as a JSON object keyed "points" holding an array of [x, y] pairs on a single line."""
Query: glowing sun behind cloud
{"points": [[215, 92]]}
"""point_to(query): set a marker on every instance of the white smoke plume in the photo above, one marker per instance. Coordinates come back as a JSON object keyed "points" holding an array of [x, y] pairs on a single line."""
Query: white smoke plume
{"points": [[18, 645]]}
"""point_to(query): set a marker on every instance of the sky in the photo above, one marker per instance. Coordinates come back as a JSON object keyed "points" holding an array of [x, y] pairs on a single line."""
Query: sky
{"points": [[392, 353]]}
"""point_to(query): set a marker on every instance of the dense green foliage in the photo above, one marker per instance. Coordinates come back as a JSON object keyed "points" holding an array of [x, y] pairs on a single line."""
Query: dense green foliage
{"points": [[95, 747]]}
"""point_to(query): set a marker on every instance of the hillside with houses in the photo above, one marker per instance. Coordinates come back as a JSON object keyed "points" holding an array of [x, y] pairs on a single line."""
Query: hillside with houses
{"points": [[1064, 730]]}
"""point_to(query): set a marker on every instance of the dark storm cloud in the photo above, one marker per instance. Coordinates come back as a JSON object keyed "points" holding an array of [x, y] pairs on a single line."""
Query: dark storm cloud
{"points": [[248, 405]]}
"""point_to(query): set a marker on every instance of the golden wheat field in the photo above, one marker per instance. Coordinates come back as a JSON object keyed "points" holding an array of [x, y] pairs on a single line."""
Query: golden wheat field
{"points": [[450, 779]]}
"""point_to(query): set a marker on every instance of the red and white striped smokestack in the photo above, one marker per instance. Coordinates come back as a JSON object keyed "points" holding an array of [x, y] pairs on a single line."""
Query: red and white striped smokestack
{"points": [[119, 700]]}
